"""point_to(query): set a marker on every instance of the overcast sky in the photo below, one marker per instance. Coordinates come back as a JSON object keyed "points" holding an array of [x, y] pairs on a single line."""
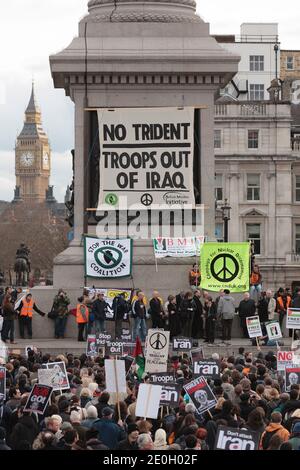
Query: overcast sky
{"points": [[31, 30]]}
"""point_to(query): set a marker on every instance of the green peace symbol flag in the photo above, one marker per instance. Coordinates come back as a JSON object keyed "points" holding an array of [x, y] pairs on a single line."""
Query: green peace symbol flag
{"points": [[225, 266]]}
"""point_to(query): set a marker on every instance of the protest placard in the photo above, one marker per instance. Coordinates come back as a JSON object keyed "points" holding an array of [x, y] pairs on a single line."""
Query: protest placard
{"points": [[114, 348], [115, 376], [2, 384], [157, 351], [274, 331], [209, 369], [103, 338], [285, 359], [236, 439], [292, 377], [200, 394], [91, 346], [148, 401], [38, 399], [182, 344], [126, 335], [197, 355], [60, 379], [170, 395], [46, 376], [254, 327], [161, 378], [293, 318]]}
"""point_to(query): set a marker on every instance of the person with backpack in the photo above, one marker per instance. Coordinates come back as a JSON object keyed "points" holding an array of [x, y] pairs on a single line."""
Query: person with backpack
{"points": [[275, 427], [139, 315]]}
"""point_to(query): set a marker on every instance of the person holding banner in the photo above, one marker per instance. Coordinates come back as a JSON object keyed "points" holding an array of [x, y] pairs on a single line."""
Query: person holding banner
{"points": [[26, 307], [255, 282], [82, 319], [195, 276]]}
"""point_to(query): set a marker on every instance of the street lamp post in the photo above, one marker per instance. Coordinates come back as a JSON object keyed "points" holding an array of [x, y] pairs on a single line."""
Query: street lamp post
{"points": [[226, 217]]}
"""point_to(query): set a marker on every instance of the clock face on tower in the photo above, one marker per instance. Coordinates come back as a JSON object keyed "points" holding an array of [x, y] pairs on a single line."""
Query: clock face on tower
{"points": [[46, 161], [27, 159]]}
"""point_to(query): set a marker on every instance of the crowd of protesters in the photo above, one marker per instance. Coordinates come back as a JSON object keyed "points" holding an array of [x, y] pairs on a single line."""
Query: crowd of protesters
{"points": [[249, 391]]}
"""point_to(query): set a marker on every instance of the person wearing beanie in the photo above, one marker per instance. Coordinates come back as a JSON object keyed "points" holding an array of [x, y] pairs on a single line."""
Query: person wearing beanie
{"points": [[109, 432], [160, 441], [130, 443], [92, 416], [294, 439]]}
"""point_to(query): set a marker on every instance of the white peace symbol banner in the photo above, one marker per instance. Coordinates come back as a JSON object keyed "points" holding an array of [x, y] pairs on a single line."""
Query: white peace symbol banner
{"points": [[105, 258], [157, 351], [146, 157]]}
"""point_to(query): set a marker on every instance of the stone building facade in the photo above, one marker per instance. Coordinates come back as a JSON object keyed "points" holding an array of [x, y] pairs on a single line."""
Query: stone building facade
{"points": [[259, 173]]}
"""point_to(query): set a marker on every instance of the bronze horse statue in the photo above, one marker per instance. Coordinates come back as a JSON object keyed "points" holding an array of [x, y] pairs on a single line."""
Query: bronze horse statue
{"points": [[22, 272]]}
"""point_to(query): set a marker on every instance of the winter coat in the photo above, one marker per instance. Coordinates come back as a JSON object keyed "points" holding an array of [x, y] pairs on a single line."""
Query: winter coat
{"points": [[226, 307], [280, 431], [246, 309], [126, 445], [99, 309], [109, 433], [26, 429], [8, 311], [187, 309], [60, 305], [95, 444]]}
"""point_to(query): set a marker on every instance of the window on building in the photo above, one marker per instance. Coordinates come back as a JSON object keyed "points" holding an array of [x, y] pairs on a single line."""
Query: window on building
{"points": [[219, 187], [290, 63], [253, 187], [253, 139], [218, 139], [257, 92], [219, 232], [297, 192], [297, 239], [254, 234], [257, 63]]}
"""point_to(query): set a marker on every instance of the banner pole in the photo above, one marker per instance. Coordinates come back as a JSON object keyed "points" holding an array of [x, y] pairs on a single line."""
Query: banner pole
{"points": [[257, 343], [161, 413], [117, 388], [156, 265], [147, 402]]}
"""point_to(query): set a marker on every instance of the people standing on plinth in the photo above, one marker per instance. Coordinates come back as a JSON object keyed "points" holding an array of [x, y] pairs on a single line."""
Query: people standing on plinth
{"points": [[255, 283], [187, 313], [173, 316], [211, 317], [246, 309], [295, 304], [226, 310], [25, 308], [283, 301], [198, 322], [99, 310], [9, 316], [120, 308], [82, 319], [139, 314], [194, 276], [60, 305], [156, 310]]}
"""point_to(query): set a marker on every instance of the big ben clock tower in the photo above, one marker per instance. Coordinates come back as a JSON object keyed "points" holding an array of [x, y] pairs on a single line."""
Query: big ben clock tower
{"points": [[33, 156]]}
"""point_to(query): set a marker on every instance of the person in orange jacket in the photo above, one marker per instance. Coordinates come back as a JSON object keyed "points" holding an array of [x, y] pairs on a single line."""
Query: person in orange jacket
{"points": [[82, 319], [275, 427], [25, 308]]}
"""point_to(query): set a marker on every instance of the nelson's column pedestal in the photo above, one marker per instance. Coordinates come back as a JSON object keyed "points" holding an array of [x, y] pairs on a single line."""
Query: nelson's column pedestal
{"points": [[138, 54]]}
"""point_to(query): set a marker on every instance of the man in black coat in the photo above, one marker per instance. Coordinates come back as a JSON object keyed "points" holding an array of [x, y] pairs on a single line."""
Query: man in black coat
{"points": [[246, 309], [26, 429], [198, 326], [295, 304], [120, 308], [99, 311], [156, 311]]}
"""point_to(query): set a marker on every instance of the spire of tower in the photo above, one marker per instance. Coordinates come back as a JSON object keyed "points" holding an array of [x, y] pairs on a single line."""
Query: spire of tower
{"points": [[32, 105]]}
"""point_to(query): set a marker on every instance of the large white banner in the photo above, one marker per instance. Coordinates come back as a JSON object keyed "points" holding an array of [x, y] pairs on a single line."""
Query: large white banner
{"points": [[107, 258], [148, 401], [146, 157], [178, 247]]}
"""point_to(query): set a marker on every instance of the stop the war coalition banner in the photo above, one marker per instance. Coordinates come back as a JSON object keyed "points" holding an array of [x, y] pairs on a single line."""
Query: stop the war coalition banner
{"points": [[107, 258], [146, 157]]}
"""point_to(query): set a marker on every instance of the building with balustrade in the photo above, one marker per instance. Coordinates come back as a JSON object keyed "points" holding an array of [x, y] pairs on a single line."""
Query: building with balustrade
{"points": [[258, 171]]}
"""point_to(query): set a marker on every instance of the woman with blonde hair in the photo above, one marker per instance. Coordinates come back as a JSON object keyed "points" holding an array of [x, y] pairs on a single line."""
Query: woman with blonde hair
{"points": [[160, 441]]}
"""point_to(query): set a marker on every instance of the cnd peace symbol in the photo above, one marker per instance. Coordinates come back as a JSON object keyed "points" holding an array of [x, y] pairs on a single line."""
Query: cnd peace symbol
{"points": [[158, 341], [224, 267], [146, 199]]}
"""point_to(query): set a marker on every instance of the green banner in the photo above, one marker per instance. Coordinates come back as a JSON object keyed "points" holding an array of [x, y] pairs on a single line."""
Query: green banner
{"points": [[225, 266]]}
